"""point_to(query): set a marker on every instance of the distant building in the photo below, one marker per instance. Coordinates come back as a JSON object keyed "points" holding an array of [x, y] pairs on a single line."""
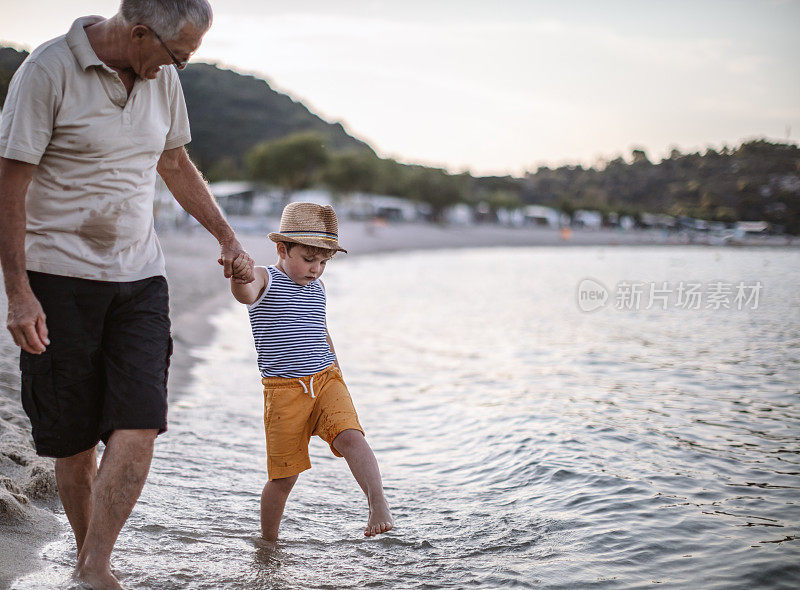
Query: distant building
{"points": [[370, 206], [460, 214], [627, 222], [744, 229], [545, 216], [657, 220], [235, 198], [244, 198], [511, 217], [587, 219], [717, 226], [312, 195]]}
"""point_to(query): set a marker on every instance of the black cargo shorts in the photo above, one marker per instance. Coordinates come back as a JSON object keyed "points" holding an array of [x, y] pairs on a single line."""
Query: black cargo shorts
{"points": [[106, 366]]}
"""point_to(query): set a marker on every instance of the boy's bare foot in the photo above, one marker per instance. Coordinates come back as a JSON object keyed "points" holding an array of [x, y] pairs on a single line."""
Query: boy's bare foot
{"points": [[102, 580], [380, 519]]}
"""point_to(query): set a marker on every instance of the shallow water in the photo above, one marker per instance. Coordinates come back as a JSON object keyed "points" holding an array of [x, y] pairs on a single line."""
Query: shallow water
{"points": [[523, 442]]}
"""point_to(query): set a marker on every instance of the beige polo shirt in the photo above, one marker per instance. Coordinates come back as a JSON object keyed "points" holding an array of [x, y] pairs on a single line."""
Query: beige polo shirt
{"points": [[90, 203]]}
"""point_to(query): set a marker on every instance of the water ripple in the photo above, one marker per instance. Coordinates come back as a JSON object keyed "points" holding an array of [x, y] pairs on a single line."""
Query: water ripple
{"points": [[524, 444]]}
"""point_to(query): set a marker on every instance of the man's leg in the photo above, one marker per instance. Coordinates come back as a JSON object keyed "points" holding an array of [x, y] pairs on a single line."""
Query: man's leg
{"points": [[355, 449], [120, 479], [273, 501], [75, 476]]}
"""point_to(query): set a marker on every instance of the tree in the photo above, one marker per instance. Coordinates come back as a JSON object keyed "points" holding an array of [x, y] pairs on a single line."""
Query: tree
{"points": [[503, 200], [226, 168], [346, 172], [640, 157], [566, 206], [292, 162], [437, 188], [391, 178]]}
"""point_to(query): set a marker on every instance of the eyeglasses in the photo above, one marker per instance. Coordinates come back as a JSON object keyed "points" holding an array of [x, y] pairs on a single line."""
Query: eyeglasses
{"points": [[178, 64]]}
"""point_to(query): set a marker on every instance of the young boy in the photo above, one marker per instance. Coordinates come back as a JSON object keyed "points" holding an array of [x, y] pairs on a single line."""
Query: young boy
{"points": [[304, 392]]}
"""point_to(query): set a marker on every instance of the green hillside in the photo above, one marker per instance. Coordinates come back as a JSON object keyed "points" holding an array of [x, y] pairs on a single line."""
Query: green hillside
{"points": [[229, 112]]}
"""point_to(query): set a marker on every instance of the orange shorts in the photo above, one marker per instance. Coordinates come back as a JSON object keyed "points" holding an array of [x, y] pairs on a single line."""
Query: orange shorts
{"points": [[295, 409]]}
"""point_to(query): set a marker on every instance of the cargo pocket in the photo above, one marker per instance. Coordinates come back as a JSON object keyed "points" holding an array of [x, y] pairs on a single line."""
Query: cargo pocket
{"points": [[78, 381], [37, 392]]}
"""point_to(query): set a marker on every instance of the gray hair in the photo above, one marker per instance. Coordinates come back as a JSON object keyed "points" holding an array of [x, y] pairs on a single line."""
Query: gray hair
{"points": [[167, 17]]}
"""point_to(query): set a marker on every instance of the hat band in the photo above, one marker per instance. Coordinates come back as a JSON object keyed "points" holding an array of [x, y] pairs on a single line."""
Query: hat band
{"points": [[311, 234]]}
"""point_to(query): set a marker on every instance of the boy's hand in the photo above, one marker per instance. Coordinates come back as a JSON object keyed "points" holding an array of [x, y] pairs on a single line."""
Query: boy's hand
{"points": [[242, 269], [230, 254], [241, 266]]}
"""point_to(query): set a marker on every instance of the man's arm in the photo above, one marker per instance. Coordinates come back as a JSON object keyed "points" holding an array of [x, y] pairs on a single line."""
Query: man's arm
{"points": [[26, 319], [190, 190]]}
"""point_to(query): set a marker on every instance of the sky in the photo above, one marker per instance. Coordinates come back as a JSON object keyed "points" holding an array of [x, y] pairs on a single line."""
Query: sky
{"points": [[507, 86]]}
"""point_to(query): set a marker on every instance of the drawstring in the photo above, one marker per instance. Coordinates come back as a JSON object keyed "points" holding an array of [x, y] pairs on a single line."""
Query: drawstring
{"points": [[305, 389]]}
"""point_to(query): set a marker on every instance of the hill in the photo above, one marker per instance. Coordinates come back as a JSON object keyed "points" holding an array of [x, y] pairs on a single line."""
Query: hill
{"points": [[10, 60], [229, 112]]}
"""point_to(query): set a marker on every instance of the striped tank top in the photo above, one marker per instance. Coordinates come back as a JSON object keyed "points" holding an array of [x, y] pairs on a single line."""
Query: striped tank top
{"points": [[288, 323]]}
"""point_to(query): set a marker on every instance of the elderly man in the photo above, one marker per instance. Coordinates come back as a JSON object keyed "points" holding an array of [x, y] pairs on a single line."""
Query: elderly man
{"points": [[89, 119]]}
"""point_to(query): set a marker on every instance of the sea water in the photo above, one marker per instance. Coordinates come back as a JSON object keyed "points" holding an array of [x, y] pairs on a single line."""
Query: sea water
{"points": [[538, 425]]}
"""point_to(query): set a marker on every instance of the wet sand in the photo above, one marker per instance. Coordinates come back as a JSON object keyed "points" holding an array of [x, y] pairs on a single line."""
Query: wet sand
{"points": [[28, 495]]}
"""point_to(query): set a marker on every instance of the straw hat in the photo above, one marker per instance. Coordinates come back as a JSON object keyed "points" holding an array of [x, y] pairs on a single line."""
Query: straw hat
{"points": [[309, 224]]}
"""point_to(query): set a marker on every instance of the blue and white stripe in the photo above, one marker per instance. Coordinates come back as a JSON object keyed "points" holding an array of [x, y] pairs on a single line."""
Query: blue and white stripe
{"points": [[288, 323]]}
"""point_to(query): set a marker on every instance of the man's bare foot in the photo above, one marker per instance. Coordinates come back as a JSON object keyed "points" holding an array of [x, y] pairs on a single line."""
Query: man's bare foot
{"points": [[103, 580], [380, 519]]}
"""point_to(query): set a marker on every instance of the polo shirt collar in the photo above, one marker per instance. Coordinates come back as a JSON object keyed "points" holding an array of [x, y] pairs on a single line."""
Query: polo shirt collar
{"points": [[78, 42]]}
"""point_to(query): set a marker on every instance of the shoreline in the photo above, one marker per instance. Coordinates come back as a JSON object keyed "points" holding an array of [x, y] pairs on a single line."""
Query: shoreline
{"points": [[28, 499]]}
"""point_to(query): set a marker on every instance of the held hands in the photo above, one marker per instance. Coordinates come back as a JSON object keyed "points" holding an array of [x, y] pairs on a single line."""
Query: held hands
{"points": [[242, 265], [237, 264], [26, 322]]}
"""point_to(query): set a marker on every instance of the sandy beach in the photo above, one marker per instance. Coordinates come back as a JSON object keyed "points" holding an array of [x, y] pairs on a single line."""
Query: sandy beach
{"points": [[28, 497]]}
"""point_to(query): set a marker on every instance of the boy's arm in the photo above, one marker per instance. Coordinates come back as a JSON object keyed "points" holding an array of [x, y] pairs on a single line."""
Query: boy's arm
{"points": [[248, 293], [328, 336]]}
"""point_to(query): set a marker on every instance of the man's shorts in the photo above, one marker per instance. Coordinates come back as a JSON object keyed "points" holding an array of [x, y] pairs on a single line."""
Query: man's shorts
{"points": [[106, 366], [297, 408]]}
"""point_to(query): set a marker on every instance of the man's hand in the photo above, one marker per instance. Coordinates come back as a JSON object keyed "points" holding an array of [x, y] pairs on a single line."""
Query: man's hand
{"points": [[26, 322], [242, 271]]}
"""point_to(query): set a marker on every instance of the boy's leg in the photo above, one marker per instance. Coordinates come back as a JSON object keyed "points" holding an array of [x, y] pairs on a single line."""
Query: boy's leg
{"points": [[273, 501], [361, 460]]}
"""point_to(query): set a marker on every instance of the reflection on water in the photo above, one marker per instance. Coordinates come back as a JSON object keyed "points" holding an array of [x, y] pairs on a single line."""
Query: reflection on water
{"points": [[524, 443]]}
